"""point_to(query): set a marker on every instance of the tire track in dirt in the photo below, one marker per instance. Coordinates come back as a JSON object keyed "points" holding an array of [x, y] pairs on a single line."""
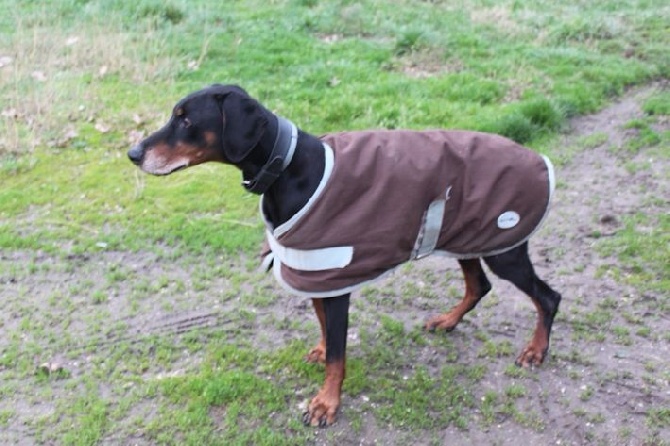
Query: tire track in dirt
{"points": [[170, 324]]}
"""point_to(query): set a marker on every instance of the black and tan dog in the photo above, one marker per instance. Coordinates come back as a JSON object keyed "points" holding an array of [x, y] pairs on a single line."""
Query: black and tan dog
{"points": [[347, 243]]}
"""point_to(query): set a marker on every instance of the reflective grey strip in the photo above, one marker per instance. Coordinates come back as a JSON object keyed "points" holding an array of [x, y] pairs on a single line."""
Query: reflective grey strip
{"points": [[311, 259], [552, 178], [266, 263], [431, 224], [293, 141]]}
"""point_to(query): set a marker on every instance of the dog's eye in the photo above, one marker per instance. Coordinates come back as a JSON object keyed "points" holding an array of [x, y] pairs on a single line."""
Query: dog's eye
{"points": [[186, 123]]}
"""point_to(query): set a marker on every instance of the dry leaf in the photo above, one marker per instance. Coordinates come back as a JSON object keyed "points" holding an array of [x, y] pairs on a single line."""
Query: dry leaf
{"points": [[39, 76], [102, 127], [49, 368], [67, 137], [9, 113], [64, 140]]}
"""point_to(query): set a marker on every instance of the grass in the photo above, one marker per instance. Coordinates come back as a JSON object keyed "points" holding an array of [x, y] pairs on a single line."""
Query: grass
{"points": [[642, 248], [245, 396], [658, 104], [107, 94], [82, 231]]}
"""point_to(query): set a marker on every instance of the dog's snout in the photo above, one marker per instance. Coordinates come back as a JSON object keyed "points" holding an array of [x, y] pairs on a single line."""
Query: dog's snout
{"points": [[135, 154]]}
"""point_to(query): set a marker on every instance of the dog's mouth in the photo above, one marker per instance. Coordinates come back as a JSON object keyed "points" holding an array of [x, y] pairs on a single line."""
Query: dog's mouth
{"points": [[177, 169], [159, 166], [168, 170]]}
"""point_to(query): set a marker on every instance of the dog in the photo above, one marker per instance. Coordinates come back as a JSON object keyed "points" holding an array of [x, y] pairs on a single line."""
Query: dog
{"points": [[344, 209]]}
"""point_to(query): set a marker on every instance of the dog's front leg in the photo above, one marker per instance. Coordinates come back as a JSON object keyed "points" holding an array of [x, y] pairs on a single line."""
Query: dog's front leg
{"points": [[324, 405]]}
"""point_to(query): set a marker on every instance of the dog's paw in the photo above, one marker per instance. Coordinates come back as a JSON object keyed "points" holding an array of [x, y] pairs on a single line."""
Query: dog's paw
{"points": [[531, 356], [446, 322], [322, 410], [317, 355]]}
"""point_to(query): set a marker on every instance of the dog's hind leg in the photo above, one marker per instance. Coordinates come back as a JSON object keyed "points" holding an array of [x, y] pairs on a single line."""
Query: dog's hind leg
{"points": [[476, 287], [318, 353], [515, 266], [323, 407]]}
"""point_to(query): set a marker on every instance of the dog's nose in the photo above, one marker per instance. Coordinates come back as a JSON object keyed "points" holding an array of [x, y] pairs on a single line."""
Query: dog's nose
{"points": [[135, 154]]}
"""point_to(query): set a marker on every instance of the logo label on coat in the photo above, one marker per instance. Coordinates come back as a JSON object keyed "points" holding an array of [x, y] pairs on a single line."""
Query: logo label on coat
{"points": [[508, 220]]}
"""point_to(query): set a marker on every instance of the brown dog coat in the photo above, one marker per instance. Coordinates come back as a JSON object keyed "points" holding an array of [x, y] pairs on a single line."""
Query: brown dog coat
{"points": [[387, 197]]}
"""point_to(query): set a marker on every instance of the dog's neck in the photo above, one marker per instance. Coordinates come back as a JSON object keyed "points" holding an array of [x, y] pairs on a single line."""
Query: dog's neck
{"points": [[280, 157], [298, 177]]}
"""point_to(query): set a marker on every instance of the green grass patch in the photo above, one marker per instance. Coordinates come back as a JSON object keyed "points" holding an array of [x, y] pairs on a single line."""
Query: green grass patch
{"points": [[63, 153], [659, 104], [659, 417], [642, 247], [88, 419], [94, 203], [422, 401], [252, 397], [224, 406], [644, 136]]}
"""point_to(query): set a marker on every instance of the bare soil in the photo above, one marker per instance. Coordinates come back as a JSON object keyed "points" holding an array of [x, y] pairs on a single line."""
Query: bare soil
{"points": [[589, 391]]}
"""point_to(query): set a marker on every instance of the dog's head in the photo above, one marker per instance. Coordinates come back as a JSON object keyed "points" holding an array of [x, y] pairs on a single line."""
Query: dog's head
{"points": [[218, 123]]}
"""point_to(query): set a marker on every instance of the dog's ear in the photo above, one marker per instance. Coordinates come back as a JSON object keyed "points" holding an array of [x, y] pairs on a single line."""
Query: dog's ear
{"points": [[243, 123], [222, 90]]}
